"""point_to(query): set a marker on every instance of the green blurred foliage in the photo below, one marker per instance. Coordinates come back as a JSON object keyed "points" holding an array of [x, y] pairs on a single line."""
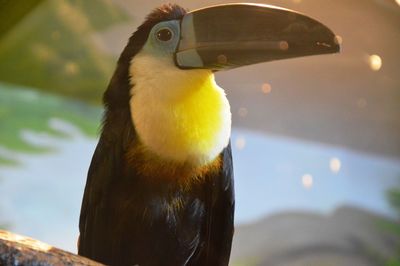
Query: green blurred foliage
{"points": [[394, 199], [100, 14], [53, 49], [393, 262], [11, 12], [21, 109], [7, 161]]}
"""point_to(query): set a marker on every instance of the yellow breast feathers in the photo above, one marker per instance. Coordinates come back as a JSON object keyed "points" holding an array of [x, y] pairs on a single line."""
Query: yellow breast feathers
{"points": [[180, 115]]}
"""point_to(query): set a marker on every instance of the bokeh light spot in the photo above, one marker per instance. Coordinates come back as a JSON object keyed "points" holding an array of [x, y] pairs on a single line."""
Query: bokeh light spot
{"points": [[240, 143], [283, 45], [375, 62], [335, 165], [71, 68], [266, 88], [222, 59], [41, 51], [307, 181]]}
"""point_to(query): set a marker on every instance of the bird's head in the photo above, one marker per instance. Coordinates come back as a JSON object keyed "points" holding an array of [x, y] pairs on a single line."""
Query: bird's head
{"points": [[166, 70]]}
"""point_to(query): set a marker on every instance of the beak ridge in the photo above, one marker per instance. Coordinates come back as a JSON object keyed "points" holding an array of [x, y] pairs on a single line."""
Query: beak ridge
{"points": [[234, 35]]}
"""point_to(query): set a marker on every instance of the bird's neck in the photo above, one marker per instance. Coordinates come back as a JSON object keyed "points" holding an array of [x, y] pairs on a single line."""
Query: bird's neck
{"points": [[192, 127]]}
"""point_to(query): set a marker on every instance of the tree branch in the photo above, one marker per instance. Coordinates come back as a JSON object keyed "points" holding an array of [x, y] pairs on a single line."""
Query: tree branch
{"points": [[18, 250]]}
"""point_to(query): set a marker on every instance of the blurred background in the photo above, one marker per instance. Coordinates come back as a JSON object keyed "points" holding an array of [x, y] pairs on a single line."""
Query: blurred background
{"points": [[316, 140]]}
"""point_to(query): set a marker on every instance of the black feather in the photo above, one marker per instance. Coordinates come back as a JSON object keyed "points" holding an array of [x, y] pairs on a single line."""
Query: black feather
{"points": [[126, 220]]}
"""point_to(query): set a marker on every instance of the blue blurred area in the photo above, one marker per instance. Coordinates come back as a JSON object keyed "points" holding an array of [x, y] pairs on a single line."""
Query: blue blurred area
{"points": [[271, 176]]}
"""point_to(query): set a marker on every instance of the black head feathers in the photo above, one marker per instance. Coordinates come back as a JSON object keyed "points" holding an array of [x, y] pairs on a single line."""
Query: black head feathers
{"points": [[117, 93], [163, 13]]}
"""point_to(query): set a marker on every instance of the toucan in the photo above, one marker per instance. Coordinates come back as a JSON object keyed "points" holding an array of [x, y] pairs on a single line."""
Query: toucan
{"points": [[160, 187]]}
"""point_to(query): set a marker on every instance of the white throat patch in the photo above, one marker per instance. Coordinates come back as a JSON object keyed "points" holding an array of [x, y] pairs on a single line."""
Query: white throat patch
{"points": [[180, 115]]}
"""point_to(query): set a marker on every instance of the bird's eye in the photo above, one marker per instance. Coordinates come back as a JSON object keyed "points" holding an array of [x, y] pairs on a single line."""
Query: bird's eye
{"points": [[164, 35]]}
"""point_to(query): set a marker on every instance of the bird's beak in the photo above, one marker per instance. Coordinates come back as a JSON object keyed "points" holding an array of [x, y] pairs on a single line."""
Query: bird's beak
{"points": [[233, 35]]}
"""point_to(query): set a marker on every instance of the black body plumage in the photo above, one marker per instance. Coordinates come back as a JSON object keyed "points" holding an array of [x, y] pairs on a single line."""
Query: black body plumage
{"points": [[129, 219]]}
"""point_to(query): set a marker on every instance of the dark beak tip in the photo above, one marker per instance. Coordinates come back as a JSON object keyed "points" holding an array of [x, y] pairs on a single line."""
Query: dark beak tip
{"points": [[328, 42], [337, 44]]}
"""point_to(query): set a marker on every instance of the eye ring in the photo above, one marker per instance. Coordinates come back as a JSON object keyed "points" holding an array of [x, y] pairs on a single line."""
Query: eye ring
{"points": [[164, 34]]}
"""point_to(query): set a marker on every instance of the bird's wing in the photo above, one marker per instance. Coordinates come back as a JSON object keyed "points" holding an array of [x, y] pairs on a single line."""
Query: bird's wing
{"points": [[97, 216], [94, 213], [220, 224]]}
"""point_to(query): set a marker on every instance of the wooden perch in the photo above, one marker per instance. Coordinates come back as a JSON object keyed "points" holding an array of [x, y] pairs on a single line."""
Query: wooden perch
{"points": [[19, 250]]}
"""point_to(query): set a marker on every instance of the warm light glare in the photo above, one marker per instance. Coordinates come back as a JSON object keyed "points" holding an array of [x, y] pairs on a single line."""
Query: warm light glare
{"points": [[243, 112], [307, 181], [375, 62], [335, 165], [29, 242], [398, 2], [240, 143], [338, 39], [266, 88]]}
